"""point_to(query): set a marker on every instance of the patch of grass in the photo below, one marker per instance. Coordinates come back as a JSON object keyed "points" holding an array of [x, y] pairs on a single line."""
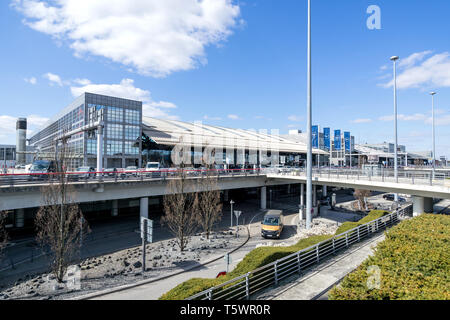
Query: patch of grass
{"points": [[414, 262], [373, 215], [257, 258]]}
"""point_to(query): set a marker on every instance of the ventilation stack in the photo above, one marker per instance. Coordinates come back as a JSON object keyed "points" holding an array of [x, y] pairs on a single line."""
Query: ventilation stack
{"points": [[21, 140]]}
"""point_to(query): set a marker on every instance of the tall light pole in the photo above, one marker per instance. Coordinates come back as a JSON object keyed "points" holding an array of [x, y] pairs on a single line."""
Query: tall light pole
{"points": [[231, 213], [434, 137], [309, 130], [394, 59]]}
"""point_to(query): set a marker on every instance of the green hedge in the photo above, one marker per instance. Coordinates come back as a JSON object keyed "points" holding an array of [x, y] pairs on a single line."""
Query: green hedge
{"points": [[373, 215], [414, 260], [253, 260]]}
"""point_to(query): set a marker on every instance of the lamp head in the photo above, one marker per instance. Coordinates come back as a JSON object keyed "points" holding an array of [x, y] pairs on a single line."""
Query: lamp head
{"points": [[395, 58], [432, 93]]}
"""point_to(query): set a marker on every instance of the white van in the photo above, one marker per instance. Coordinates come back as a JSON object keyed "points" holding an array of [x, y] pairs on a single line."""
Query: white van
{"points": [[153, 169]]}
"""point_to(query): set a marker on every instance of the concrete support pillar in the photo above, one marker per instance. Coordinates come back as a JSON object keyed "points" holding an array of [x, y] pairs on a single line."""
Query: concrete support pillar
{"points": [[428, 205], [115, 208], [264, 198], [225, 195], [289, 189], [422, 205], [302, 194], [324, 191], [144, 207], [19, 218], [418, 205]]}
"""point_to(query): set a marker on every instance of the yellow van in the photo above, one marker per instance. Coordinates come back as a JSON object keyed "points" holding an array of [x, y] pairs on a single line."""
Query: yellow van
{"points": [[272, 224]]}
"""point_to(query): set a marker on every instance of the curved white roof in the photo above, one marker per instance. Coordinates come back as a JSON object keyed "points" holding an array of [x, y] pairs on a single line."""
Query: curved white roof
{"points": [[172, 132]]}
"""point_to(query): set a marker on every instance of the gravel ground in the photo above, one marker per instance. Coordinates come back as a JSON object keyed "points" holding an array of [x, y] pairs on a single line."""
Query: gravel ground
{"points": [[123, 267]]}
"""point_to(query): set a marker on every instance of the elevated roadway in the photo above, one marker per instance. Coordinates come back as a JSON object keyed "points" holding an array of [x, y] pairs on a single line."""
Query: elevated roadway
{"points": [[422, 186]]}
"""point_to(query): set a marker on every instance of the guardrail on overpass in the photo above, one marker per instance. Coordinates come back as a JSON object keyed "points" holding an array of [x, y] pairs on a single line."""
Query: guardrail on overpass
{"points": [[271, 274], [384, 175], [20, 179]]}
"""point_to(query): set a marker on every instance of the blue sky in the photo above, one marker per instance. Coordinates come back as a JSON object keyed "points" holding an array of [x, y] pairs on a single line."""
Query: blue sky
{"points": [[238, 64]]}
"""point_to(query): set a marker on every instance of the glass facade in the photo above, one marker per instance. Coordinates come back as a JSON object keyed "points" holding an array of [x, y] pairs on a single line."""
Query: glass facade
{"points": [[122, 127], [114, 131], [8, 152]]}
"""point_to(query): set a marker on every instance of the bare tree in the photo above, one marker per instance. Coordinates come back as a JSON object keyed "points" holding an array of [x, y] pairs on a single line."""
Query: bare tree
{"points": [[59, 222], [180, 208], [3, 233], [361, 196], [210, 207]]}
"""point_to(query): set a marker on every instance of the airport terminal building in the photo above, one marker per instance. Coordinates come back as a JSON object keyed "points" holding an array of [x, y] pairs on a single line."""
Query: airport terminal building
{"points": [[122, 127], [126, 130]]}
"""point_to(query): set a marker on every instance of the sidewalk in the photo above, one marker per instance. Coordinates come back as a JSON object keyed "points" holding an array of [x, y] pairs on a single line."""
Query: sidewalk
{"points": [[320, 279]]}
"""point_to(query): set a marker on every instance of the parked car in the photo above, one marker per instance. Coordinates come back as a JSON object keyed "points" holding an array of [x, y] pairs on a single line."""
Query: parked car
{"points": [[110, 172], [130, 171], [391, 197], [41, 168], [84, 173]]}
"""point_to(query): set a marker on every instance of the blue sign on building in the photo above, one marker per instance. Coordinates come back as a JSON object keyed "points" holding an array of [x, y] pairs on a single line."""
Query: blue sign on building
{"points": [[315, 136], [347, 141], [327, 138], [337, 140]]}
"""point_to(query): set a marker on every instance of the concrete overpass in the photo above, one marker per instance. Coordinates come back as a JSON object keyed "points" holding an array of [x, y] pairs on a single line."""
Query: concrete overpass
{"points": [[423, 187]]}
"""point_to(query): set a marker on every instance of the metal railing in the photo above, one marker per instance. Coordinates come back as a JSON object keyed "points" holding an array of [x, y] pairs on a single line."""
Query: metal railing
{"points": [[381, 175], [271, 274], [17, 179]]}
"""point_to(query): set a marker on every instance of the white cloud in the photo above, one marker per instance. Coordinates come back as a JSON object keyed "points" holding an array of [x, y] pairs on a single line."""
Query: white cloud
{"points": [[259, 117], [206, 117], [126, 89], [434, 72], [163, 104], [53, 78], [36, 121], [413, 59], [443, 120], [402, 117], [31, 80], [8, 126], [233, 117], [154, 37], [295, 118], [361, 121]]}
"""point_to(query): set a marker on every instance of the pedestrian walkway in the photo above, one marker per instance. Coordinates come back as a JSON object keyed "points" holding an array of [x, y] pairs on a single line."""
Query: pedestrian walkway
{"points": [[320, 279]]}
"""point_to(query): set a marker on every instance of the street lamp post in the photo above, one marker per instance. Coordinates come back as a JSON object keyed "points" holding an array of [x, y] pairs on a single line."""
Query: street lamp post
{"points": [[231, 213], [434, 137], [394, 59], [308, 129]]}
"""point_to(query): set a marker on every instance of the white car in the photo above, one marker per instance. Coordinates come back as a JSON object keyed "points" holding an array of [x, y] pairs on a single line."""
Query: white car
{"points": [[131, 171]]}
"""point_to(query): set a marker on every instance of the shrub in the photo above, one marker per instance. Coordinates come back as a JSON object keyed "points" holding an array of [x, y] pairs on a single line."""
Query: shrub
{"points": [[253, 260], [257, 258], [373, 215], [414, 263]]}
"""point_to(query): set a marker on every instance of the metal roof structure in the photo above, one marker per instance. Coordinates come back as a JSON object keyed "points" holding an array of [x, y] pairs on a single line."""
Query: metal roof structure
{"points": [[173, 132]]}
